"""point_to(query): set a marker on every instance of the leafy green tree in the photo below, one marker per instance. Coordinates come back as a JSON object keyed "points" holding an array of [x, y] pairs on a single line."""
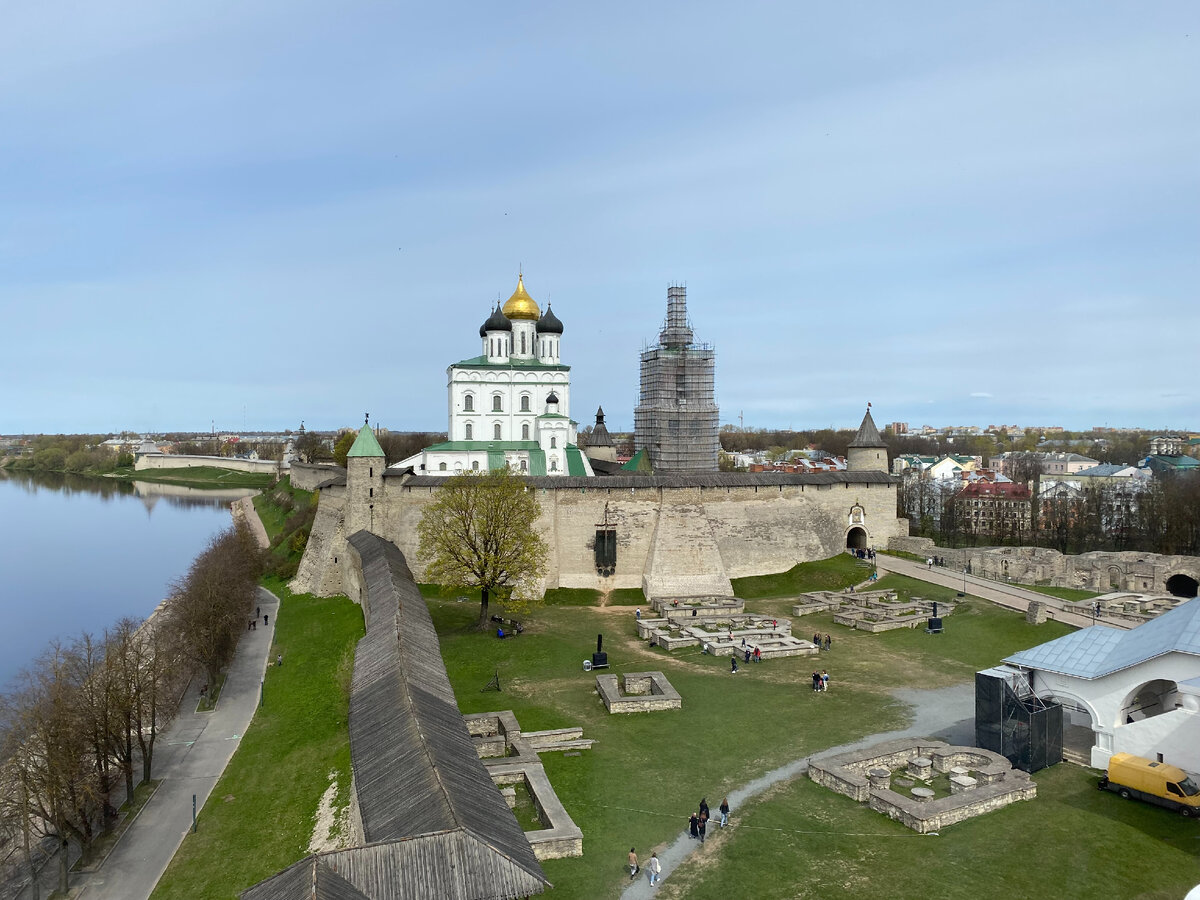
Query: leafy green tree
{"points": [[479, 534], [344, 442]]}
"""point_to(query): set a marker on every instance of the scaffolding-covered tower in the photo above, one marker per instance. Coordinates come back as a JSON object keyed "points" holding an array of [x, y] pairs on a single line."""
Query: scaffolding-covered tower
{"points": [[675, 422]]}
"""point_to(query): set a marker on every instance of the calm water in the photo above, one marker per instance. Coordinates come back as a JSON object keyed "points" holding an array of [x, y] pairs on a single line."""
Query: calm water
{"points": [[77, 554]]}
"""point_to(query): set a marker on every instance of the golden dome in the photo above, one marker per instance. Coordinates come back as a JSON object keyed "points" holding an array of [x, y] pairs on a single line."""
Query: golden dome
{"points": [[520, 305]]}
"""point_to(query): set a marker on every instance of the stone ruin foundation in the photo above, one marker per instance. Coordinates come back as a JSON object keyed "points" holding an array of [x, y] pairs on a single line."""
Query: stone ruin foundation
{"points": [[979, 781], [511, 757], [638, 692], [871, 611]]}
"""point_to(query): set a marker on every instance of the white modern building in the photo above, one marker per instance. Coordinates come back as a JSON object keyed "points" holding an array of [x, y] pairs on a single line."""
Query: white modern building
{"points": [[1138, 691], [510, 405]]}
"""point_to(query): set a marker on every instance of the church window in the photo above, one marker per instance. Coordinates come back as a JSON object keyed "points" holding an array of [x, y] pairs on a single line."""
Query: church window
{"points": [[553, 443], [496, 432], [441, 467], [496, 403], [554, 465], [469, 430], [469, 403], [524, 466], [522, 343], [525, 432], [524, 403], [474, 465]]}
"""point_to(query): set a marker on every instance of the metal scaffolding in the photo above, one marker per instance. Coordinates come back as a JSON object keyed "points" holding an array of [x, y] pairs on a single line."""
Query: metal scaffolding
{"points": [[676, 419]]}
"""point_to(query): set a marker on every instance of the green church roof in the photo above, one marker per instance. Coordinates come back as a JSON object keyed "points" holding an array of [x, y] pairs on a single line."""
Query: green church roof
{"points": [[365, 444]]}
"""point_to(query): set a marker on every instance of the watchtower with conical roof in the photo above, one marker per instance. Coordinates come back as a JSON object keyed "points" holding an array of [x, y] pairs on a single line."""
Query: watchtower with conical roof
{"points": [[365, 463], [867, 452]]}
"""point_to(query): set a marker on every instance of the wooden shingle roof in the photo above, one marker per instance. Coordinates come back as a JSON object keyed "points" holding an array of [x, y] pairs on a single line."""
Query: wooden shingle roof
{"points": [[434, 822]]}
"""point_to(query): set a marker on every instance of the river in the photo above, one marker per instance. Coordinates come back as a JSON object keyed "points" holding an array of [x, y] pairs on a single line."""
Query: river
{"points": [[77, 554]]}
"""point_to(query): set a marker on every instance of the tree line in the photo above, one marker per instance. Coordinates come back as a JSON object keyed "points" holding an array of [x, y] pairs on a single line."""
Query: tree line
{"points": [[85, 716], [1159, 516]]}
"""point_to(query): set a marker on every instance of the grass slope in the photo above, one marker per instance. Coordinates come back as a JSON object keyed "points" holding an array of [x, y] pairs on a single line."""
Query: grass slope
{"points": [[259, 818], [831, 574], [1071, 842]]}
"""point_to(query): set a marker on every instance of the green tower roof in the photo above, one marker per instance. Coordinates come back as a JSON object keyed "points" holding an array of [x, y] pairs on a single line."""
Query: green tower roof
{"points": [[365, 444]]}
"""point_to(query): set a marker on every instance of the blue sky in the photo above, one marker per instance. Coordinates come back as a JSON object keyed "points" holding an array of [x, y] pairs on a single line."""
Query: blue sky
{"points": [[274, 212]]}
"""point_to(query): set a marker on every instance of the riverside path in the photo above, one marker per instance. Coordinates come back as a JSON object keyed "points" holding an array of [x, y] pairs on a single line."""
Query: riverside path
{"points": [[189, 759]]}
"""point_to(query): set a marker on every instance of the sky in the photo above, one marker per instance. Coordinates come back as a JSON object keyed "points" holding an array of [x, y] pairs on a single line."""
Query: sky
{"points": [[249, 215]]}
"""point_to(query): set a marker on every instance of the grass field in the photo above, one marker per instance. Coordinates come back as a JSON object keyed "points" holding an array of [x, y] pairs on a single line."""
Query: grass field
{"points": [[200, 476], [1073, 841], [1074, 595], [259, 818], [646, 772]]}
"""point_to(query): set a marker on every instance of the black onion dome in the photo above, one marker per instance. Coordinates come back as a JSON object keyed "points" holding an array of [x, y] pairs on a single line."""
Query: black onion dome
{"points": [[497, 321], [553, 398], [549, 323]]}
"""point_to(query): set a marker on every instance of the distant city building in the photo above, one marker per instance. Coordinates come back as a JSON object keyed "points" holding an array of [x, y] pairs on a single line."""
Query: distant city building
{"points": [[1066, 463], [994, 508], [1168, 445], [899, 428], [675, 423]]}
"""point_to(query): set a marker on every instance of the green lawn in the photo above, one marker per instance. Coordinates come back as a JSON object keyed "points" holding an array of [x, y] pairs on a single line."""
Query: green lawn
{"points": [[1074, 595], [1073, 841], [259, 818], [646, 772], [831, 574], [202, 476]]}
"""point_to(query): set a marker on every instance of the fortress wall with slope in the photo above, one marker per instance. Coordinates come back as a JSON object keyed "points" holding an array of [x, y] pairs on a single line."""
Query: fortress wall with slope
{"points": [[682, 539]]}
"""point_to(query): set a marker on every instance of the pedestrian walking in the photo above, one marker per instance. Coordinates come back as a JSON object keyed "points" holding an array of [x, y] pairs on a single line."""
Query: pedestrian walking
{"points": [[733, 665], [704, 807], [703, 826], [653, 869], [724, 807], [929, 562], [824, 680], [258, 612], [828, 641], [279, 660], [633, 864], [638, 613], [746, 654], [694, 826], [264, 621], [757, 655], [816, 680]]}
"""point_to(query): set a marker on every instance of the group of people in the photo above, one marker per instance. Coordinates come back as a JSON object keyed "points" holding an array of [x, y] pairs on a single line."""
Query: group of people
{"points": [[697, 827], [931, 561], [820, 681], [823, 641], [865, 554], [253, 624]]}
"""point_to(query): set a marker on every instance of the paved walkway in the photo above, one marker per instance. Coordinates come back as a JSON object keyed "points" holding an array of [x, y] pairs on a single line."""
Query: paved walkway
{"points": [[998, 592], [189, 759], [947, 714]]}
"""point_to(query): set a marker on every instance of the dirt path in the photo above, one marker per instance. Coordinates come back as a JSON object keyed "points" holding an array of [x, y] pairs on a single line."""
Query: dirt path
{"points": [[947, 713]]}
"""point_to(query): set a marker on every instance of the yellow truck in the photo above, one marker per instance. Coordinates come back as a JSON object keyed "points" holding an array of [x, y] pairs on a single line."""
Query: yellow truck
{"points": [[1154, 782]]}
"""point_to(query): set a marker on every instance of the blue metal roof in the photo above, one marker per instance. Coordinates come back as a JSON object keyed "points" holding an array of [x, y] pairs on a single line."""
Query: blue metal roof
{"points": [[1098, 651]]}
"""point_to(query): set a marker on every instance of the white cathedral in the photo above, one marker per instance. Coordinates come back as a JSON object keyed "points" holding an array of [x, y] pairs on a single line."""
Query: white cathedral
{"points": [[511, 405]]}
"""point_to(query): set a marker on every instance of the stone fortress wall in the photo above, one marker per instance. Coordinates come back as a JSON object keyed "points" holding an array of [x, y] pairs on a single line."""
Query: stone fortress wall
{"points": [[676, 536], [179, 461], [1099, 570]]}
